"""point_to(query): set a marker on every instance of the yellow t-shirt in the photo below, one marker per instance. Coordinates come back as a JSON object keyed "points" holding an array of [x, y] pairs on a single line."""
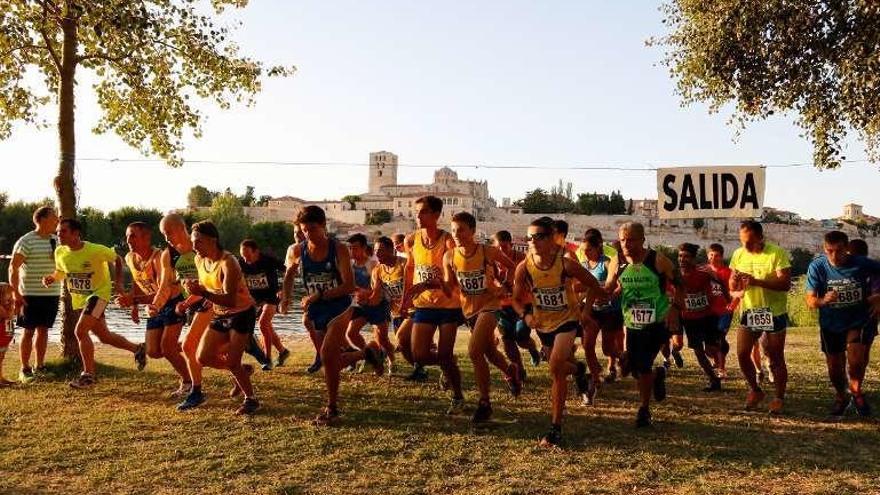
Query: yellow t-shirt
{"points": [[761, 265], [86, 271]]}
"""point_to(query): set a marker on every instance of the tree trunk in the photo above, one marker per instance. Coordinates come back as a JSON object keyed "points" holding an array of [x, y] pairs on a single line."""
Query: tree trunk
{"points": [[65, 184]]}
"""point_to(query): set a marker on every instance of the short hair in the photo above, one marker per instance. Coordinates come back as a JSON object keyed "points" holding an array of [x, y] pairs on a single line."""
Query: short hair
{"points": [[311, 214], [503, 236], [717, 248], [250, 244], [42, 212], [560, 227], [545, 223], [433, 203], [858, 247], [836, 237], [593, 238], [399, 238], [73, 224], [752, 226], [207, 229], [358, 239], [142, 226], [465, 218], [689, 248], [634, 227], [385, 242]]}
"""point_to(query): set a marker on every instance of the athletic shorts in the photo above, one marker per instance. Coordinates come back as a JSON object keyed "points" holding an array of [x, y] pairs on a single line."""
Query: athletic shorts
{"points": [[548, 338], [438, 316], [396, 322], [39, 312], [321, 313], [94, 307], [471, 321], [702, 332], [780, 323], [609, 321], [724, 322], [512, 327], [241, 322], [7, 332], [835, 342], [166, 316], [375, 315], [643, 344]]}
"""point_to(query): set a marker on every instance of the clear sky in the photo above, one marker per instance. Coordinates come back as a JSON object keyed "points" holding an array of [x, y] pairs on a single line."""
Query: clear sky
{"points": [[550, 84]]}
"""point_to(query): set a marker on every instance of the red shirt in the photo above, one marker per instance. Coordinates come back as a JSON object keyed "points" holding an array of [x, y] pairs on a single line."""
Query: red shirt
{"points": [[697, 293], [719, 301]]}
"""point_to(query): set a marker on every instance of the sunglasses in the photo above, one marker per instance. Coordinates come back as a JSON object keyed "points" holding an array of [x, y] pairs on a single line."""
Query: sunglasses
{"points": [[537, 236]]}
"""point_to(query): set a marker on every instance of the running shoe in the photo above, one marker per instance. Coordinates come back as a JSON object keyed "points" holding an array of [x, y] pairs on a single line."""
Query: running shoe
{"points": [[42, 370], [26, 375], [582, 381], [328, 416], [611, 377], [248, 407], [266, 366], [182, 391], [713, 386], [721, 374], [643, 417], [84, 380], [315, 366], [776, 406], [552, 438], [536, 357], [659, 383], [140, 357], [456, 406], [676, 356], [513, 379], [419, 374], [754, 398], [193, 400], [861, 405], [483, 413], [282, 358], [839, 407], [235, 390]]}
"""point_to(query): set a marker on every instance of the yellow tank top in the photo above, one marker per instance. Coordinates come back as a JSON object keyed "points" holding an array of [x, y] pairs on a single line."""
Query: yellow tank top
{"points": [[476, 282], [145, 276], [554, 300], [429, 266], [392, 283], [211, 278]]}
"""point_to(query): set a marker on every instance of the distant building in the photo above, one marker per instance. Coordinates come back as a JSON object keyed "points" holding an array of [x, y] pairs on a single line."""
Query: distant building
{"points": [[644, 207], [852, 212]]}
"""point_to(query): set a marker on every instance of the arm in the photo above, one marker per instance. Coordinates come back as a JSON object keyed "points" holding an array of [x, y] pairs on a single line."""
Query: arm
{"points": [[375, 296], [520, 293], [665, 266], [408, 273], [14, 265], [584, 281], [166, 278], [289, 277], [780, 280], [449, 279]]}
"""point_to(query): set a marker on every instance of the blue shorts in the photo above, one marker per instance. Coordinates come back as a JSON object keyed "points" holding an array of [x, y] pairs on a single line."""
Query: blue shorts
{"points": [[375, 315], [438, 316], [321, 313], [166, 316], [724, 322]]}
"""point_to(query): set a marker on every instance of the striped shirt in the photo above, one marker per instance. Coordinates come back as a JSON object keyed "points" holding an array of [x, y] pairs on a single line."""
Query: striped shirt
{"points": [[39, 261]]}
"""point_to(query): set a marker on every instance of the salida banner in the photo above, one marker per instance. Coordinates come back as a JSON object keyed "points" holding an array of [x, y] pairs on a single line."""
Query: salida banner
{"points": [[710, 192]]}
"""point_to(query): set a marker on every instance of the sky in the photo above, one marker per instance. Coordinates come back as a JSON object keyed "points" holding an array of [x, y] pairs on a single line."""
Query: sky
{"points": [[492, 83]]}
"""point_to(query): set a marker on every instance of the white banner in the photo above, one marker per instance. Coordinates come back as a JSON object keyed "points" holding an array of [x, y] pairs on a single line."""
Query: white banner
{"points": [[710, 192]]}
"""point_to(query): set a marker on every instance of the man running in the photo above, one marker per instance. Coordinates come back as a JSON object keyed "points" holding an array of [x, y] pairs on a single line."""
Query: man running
{"points": [[315, 337], [84, 266], [261, 275], [329, 281], [838, 285], [550, 276], [375, 311], [722, 303], [699, 322], [434, 309], [763, 271], [387, 283], [643, 275], [33, 257], [514, 332], [470, 267], [163, 324]]}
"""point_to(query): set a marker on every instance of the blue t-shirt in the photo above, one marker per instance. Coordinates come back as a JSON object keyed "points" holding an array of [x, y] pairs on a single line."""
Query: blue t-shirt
{"points": [[852, 281]]}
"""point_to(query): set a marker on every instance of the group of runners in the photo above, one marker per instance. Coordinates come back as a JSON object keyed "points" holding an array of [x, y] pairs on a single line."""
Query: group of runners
{"points": [[425, 285]]}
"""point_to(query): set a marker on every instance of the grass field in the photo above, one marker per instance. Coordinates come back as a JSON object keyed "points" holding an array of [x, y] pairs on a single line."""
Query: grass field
{"points": [[125, 437]]}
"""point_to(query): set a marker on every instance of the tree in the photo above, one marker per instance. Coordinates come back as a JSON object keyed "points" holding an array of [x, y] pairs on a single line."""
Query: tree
{"points": [[816, 60], [121, 218], [248, 198], [351, 199], [536, 201], [800, 261], [378, 217], [151, 61], [263, 200], [272, 237], [228, 215], [200, 196]]}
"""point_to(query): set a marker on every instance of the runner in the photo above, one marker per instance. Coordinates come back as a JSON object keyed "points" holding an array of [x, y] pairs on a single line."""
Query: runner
{"points": [[221, 283], [163, 324], [85, 268], [763, 271], [434, 309], [470, 268], [838, 285], [399, 244], [327, 275], [550, 275], [699, 322], [643, 275], [33, 257], [387, 282], [261, 275], [315, 337], [560, 238], [375, 311], [7, 326], [609, 319], [722, 303], [514, 332]]}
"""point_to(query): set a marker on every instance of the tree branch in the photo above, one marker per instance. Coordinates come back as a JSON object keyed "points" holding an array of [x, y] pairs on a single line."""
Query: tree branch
{"points": [[23, 47], [45, 36]]}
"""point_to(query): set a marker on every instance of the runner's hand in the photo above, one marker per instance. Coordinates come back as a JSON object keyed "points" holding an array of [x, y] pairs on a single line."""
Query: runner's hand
{"points": [[180, 308], [48, 280], [830, 297], [192, 286], [152, 310], [20, 302], [135, 316], [123, 300]]}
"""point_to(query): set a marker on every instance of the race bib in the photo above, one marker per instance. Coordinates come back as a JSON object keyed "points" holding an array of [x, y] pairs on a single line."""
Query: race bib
{"points": [[472, 283], [394, 290], [849, 293], [641, 315], [427, 273], [257, 282], [320, 282], [550, 298], [79, 283], [696, 302], [759, 319]]}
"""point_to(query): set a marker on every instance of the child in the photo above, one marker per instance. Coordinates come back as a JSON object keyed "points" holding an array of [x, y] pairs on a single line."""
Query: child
{"points": [[7, 328]]}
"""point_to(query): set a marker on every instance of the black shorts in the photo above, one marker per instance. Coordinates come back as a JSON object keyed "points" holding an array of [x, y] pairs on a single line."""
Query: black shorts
{"points": [[702, 332], [836, 342], [241, 322], [94, 307], [167, 316], [39, 312], [375, 315], [548, 338], [609, 321], [643, 344], [438, 316]]}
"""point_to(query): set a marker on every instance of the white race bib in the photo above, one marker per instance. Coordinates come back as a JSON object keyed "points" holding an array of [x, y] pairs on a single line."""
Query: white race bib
{"points": [[320, 283], [257, 282], [426, 273], [394, 290], [79, 283], [641, 315], [550, 298], [759, 319], [849, 293], [696, 302], [472, 283]]}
